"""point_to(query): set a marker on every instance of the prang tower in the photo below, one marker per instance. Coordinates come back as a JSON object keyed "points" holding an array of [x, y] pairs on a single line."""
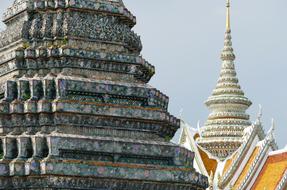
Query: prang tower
{"points": [[76, 111]]}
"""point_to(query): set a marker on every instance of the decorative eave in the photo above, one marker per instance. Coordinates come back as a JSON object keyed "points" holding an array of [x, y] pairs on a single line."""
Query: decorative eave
{"points": [[106, 7], [185, 134], [272, 174], [248, 138], [260, 131], [264, 147], [283, 183]]}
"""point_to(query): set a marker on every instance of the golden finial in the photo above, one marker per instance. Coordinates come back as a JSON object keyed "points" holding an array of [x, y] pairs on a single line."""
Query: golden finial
{"points": [[228, 16]]}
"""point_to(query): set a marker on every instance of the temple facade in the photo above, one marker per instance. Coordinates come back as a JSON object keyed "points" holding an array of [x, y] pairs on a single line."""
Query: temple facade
{"points": [[234, 152], [76, 109]]}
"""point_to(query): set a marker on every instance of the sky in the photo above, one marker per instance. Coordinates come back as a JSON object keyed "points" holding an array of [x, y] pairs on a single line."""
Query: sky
{"points": [[183, 40]]}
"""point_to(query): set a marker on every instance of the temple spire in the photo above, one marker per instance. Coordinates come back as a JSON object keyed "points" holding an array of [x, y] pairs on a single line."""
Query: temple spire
{"points": [[227, 53], [228, 28], [223, 131]]}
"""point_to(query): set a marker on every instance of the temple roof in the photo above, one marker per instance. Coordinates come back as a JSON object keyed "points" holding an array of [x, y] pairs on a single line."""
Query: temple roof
{"points": [[238, 170], [210, 164], [247, 167], [236, 153], [273, 172]]}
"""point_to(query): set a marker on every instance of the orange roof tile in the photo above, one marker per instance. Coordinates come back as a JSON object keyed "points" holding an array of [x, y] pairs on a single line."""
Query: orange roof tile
{"points": [[229, 163], [272, 172], [209, 164], [246, 167]]}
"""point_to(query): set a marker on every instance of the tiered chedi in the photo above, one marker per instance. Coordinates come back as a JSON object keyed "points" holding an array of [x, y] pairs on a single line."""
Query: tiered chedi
{"points": [[235, 153], [76, 109], [223, 131]]}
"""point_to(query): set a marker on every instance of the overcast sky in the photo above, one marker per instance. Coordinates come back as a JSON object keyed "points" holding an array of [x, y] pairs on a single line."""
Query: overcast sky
{"points": [[183, 40]]}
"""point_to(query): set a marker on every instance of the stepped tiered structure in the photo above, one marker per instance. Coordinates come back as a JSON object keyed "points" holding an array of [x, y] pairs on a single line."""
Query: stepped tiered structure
{"points": [[223, 131], [234, 152], [76, 111]]}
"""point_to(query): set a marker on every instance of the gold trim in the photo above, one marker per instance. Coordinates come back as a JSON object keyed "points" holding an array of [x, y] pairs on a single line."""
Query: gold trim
{"points": [[228, 28]]}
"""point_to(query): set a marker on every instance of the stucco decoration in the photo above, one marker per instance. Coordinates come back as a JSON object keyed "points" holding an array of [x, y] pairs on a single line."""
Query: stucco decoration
{"points": [[76, 110]]}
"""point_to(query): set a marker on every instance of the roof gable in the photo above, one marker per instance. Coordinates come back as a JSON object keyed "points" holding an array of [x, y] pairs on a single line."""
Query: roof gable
{"points": [[272, 172]]}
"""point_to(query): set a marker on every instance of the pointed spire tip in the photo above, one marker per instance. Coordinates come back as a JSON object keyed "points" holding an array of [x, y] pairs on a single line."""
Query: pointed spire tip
{"points": [[228, 27]]}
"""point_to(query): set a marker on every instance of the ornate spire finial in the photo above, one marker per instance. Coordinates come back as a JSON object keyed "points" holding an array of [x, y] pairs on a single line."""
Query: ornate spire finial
{"points": [[259, 115], [228, 28], [270, 134], [227, 52]]}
